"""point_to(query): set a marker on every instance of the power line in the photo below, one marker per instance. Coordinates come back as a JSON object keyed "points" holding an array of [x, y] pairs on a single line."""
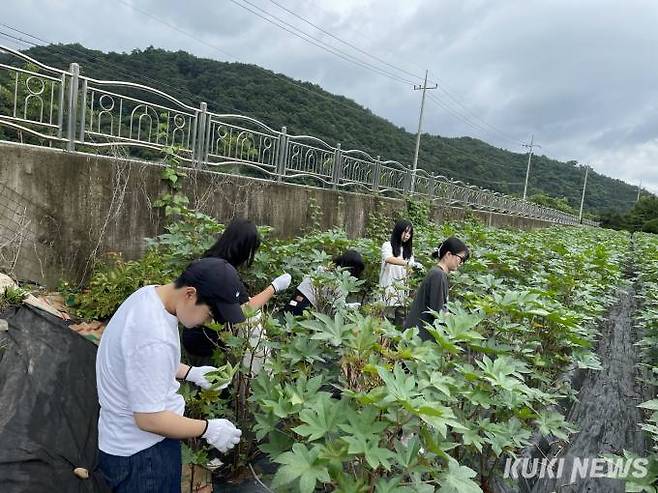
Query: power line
{"points": [[466, 120], [109, 64], [21, 40], [94, 59], [347, 43], [472, 114], [268, 73], [317, 42], [467, 115], [457, 115]]}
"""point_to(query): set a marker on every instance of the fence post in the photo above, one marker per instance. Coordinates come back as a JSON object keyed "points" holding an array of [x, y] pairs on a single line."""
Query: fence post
{"points": [[207, 141], [338, 166], [281, 154], [83, 111], [60, 113], [407, 181], [377, 174], [201, 134], [73, 106]]}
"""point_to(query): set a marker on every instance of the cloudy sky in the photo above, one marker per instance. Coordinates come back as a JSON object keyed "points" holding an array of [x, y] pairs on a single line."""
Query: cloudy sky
{"points": [[582, 76]]}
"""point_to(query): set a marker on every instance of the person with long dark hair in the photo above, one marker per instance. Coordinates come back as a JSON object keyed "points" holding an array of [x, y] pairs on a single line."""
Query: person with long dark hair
{"points": [[432, 294], [397, 257], [238, 245]]}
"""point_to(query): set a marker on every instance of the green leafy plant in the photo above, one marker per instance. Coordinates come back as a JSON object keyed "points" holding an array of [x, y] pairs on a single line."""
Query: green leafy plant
{"points": [[12, 296], [343, 401], [646, 246]]}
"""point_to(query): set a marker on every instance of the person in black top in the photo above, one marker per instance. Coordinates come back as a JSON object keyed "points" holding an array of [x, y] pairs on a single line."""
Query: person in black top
{"points": [[238, 245], [432, 294]]}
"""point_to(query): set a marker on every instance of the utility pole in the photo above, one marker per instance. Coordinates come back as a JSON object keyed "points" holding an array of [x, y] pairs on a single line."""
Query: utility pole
{"points": [[582, 198], [420, 124], [639, 190], [527, 172]]}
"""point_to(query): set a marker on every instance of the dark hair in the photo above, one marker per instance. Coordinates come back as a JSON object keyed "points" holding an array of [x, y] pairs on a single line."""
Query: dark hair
{"points": [[217, 285], [183, 281], [352, 261], [238, 244], [452, 245], [407, 248]]}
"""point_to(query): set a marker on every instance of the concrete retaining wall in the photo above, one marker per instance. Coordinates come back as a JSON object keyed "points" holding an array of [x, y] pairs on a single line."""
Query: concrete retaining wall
{"points": [[60, 210]]}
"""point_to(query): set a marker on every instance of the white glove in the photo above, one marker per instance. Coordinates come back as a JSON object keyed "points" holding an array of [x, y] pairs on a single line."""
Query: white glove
{"points": [[414, 265], [222, 434], [197, 375], [282, 282]]}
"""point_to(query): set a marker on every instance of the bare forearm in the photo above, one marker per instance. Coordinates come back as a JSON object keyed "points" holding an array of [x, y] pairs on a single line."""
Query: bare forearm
{"points": [[170, 425], [395, 261], [181, 373], [261, 298]]}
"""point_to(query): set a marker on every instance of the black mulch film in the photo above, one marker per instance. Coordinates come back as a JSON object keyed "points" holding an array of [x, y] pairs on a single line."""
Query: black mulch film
{"points": [[605, 413], [48, 406]]}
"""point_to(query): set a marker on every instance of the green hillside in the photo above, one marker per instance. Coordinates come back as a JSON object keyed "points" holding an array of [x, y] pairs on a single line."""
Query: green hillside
{"points": [[254, 91]]}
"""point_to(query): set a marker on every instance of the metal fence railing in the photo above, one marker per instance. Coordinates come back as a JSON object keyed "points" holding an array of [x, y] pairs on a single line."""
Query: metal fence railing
{"points": [[53, 107]]}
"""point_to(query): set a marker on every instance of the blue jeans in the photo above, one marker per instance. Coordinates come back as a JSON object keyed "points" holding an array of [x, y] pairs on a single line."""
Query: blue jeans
{"points": [[156, 469]]}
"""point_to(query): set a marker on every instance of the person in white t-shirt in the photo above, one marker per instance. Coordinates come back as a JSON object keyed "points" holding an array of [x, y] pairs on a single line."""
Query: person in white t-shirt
{"points": [[397, 258], [138, 366], [306, 294]]}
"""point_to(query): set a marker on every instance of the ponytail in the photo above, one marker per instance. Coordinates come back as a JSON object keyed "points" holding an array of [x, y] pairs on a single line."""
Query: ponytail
{"points": [[452, 245]]}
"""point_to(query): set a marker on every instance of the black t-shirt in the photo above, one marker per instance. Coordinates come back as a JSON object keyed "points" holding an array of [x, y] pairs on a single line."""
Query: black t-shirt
{"points": [[432, 294]]}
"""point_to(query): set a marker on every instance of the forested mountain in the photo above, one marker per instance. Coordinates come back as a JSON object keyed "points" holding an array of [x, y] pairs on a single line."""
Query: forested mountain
{"points": [[273, 99]]}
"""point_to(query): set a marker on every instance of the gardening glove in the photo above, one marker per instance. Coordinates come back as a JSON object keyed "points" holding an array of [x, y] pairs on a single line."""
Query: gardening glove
{"points": [[282, 282], [222, 434], [414, 265], [197, 375]]}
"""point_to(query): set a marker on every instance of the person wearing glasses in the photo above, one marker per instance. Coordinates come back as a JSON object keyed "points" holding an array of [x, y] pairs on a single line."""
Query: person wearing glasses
{"points": [[432, 294]]}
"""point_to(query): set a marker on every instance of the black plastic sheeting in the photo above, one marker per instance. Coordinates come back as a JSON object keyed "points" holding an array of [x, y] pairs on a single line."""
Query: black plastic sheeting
{"points": [[605, 413], [48, 406]]}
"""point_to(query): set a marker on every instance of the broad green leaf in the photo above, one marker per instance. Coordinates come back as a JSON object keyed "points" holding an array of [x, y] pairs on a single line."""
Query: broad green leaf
{"points": [[553, 423], [458, 479], [652, 404], [300, 464], [320, 419], [391, 486], [400, 386], [374, 455]]}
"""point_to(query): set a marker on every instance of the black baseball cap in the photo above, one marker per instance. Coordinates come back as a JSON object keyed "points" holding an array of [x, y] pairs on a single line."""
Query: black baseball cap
{"points": [[218, 285]]}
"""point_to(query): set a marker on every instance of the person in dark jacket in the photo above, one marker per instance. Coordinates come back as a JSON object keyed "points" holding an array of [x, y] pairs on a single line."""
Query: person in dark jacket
{"points": [[432, 294], [238, 245]]}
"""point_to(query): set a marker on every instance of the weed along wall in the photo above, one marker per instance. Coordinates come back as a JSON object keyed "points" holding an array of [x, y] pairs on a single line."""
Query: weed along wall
{"points": [[60, 210]]}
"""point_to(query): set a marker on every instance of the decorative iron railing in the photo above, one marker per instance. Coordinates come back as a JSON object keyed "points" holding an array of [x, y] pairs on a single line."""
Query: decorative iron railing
{"points": [[53, 107]]}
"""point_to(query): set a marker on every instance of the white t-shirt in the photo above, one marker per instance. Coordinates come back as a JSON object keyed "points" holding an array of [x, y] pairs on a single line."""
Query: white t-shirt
{"points": [[307, 288], [391, 276], [136, 366]]}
